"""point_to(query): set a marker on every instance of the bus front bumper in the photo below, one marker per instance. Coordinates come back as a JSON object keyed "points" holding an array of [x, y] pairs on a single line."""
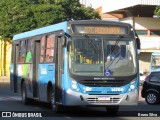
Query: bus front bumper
{"points": [[73, 98]]}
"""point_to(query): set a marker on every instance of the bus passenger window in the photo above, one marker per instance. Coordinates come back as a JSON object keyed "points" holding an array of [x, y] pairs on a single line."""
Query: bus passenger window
{"points": [[50, 48], [42, 48], [22, 51], [29, 52], [49, 55]]}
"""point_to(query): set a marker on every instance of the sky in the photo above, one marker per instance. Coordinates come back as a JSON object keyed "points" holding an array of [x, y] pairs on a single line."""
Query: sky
{"points": [[95, 3]]}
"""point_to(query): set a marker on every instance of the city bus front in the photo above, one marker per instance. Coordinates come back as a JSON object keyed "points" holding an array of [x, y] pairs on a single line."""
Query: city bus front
{"points": [[102, 69]]}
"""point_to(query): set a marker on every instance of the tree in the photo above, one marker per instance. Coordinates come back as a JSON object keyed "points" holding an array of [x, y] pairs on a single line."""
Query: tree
{"points": [[157, 11], [18, 16], [74, 10], [23, 15]]}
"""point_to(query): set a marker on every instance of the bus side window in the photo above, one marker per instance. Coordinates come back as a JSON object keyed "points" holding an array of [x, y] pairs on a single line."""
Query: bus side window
{"points": [[42, 49], [29, 51], [22, 51], [49, 57]]}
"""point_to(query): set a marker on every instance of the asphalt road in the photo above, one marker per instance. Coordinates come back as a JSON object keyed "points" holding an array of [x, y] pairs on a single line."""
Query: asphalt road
{"points": [[12, 103]]}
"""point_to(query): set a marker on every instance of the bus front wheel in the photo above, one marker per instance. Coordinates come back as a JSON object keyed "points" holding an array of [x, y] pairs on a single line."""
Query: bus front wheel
{"points": [[112, 109], [54, 107]]}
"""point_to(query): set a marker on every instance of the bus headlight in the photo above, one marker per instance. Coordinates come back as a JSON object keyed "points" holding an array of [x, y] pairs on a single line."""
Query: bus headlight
{"points": [[132, 86], [74, 85]]}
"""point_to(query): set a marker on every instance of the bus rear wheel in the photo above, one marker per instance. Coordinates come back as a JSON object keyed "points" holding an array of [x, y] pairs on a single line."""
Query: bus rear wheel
{"points": [[54, 107], [112, 110]]}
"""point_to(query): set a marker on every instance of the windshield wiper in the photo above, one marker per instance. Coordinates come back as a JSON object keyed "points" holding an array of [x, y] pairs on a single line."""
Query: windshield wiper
{"points": [[116, 43], [112, 61], [92, 44], [112, 50]]}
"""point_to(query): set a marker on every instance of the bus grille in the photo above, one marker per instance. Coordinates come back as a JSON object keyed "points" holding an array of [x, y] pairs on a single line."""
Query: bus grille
{"points": [[103, 83], [95, 100]]}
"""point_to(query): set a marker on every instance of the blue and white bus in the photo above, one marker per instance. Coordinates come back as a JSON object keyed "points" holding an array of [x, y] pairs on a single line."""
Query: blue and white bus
{"points": [[77, 63]]}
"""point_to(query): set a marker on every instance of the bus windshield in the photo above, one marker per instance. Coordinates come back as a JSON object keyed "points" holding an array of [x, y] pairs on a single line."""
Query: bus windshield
{"points": [[102, 56]]}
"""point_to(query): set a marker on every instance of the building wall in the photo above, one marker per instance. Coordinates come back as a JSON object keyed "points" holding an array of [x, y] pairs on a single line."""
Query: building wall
{"points": [[143, 22], [149, 43], [147, 23], [112, 5], [109, 16], [5, 57]]}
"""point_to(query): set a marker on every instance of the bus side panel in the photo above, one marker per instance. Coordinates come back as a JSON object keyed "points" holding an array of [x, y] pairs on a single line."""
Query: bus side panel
{"points": [[46, 73], [23, 75], [19, 77], [27, 76]]}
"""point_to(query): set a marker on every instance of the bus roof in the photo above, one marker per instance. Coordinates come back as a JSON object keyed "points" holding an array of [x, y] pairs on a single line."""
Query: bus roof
{"points": [[63, 26], [100, 22], [43, 30]]}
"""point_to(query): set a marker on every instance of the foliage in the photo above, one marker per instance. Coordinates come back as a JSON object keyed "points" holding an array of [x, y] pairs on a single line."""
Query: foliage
{"points": [[18, 16], [157, 11]]}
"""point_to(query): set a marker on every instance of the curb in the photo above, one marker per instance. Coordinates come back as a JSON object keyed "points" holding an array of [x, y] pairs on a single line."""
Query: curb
{"points": [[4, 81], [4, 84]]}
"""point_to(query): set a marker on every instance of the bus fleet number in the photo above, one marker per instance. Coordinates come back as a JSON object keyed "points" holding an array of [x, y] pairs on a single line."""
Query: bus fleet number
{"points": [[117, 89]]}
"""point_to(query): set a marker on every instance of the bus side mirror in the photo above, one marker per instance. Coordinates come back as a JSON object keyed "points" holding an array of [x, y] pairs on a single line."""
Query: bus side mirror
{"points": [[64, 41], [68, 44], [138, 43]]}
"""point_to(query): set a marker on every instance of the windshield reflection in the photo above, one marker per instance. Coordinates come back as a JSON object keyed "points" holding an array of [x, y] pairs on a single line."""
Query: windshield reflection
{"points": [[95, 56]]}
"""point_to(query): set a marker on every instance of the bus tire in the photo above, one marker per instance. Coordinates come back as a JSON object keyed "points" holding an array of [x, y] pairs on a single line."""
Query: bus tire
{"points": [[112, 110], [25, 100], [55, 108]]}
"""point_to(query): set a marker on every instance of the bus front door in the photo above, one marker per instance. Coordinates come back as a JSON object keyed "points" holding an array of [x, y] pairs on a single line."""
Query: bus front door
{"points": [[59, 70], [15, 70], [35, 69]]}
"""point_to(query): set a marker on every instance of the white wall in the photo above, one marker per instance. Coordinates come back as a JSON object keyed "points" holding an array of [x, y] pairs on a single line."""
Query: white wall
{"points": [[144, 23], [111, 5], [150, 43], [147, 23]]}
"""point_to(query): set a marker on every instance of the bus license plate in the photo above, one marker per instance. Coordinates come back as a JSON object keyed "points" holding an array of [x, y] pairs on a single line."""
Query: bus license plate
{"points": [[103, 98]]}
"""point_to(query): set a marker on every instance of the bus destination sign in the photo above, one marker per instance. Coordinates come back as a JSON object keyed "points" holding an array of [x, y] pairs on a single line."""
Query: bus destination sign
{"points": [[81, 29], [102, 30]]}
